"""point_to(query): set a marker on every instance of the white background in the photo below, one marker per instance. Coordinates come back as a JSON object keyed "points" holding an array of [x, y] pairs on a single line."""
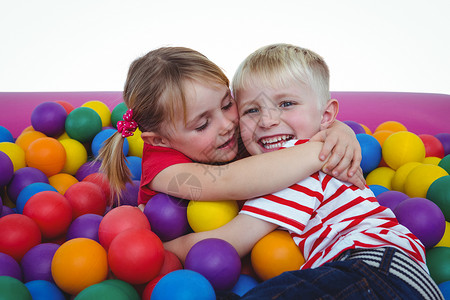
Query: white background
{"points": [[87, 45]]}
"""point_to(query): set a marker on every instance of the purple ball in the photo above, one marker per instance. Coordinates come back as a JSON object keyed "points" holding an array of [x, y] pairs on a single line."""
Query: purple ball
{"points": [[37, 262], [445, 141], [49, 118], [355, 126], [1, 206], [9, 267], [130, 194], [87, 168], [7, 169], [85, 226], [391, 199], [7, 211], [217, 260], [423, 218], [23, 177], [167, 216]]}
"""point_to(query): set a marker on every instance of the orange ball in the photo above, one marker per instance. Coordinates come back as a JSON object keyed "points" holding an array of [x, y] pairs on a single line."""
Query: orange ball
{"points": [[79, 263], [382, 135], [62, 181], [25, 139], [366, 129], [47, 155], [274, 254], [392, 126]]}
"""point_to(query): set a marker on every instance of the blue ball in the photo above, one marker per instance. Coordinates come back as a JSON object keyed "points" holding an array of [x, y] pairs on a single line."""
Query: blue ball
{"points": [[445, 289], [370, 151], [29, 191], [183, 284], [134, 163], [101, 137], [43, 290], [5, 135], [378, 189], [245, 283]]}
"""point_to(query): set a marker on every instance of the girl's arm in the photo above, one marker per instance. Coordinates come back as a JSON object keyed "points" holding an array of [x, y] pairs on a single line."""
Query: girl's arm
{"points": [[242, 233]]}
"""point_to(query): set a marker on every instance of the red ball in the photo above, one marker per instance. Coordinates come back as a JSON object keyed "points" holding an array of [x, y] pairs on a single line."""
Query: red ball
{"points": [[147, 293], [86, 198], [101, 180], [120, 219], [433, 146], [51, 211], [171, 263], [136, 256], [18, 234]]}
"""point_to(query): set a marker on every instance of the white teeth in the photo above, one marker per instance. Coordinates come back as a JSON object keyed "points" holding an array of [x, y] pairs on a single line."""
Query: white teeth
{"points": [[275, 139]]}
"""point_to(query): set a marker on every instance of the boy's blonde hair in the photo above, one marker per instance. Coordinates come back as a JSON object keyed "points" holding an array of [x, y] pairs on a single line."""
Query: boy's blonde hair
{"points": [[278, 65], [155, 92]]}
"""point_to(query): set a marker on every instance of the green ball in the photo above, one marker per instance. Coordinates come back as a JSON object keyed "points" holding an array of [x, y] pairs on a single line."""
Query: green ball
{"points": [[125, 287], [438, 263], [13, 289], [439, 193], [83, 124], [102, 291], [445, 163], [117, 113]]}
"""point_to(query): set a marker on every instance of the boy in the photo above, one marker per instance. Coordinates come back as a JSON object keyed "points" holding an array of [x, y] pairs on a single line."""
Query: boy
{"points": [[353, 247]]}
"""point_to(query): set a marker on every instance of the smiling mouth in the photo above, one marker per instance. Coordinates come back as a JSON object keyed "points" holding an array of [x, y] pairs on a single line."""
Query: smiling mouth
{"points": [[230, 141], [274, 142]]}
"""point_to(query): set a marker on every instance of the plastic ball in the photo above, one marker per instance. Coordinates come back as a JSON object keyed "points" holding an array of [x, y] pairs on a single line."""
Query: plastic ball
{"points": [[445, 241], [136, 256], [244, 284], [355, 126], [431, 160], [274, 254], [101, 109], [29, 191], [393, 126], [134, 165], [370, 151], [381, 176], [117, 113], [7, 168], [6, 135], [391, 199], [366, 129], [88, 168], [42, 290], [37, 262], [167, 216], [171, 263], [148, 290], [109, 289], [445, 163], [76, 155], [25, 139], [423, 218], [18, 234], [439, 193], [382, 135], [13, 289], [46, 154], [402, 147], [217, 260], [62, 181], [445, 141], [15, 154], [433, 146], [86, 198], [67, 106], [120, 219], [79, 263], [102, 181], [49, 118], [420, 178], [208, 215], [51, 211], [130, 194], [399, 178], [183, 284], [438, 263], [100, 138], [136, 144], [82, 124], [9, 267], [85, 226], [444, 287]]}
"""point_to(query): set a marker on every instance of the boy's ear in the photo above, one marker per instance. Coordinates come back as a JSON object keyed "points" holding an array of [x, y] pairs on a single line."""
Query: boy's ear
{"points": [[329, 114], [154, 139]]}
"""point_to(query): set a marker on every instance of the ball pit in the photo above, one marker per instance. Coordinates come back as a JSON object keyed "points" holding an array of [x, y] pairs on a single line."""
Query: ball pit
{"points": [[49, 118], [407, 113]]}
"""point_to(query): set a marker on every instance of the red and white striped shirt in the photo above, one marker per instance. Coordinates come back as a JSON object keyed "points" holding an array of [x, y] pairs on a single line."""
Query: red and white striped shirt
{"points": [[326, 217]]}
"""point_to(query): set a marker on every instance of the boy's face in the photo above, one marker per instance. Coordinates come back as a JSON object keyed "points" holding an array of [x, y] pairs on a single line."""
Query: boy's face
{"points": [[269, 117]]}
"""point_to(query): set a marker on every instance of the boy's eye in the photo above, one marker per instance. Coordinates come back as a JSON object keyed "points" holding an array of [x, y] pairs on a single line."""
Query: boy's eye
{"points": [[286, 103], [203, 126]]}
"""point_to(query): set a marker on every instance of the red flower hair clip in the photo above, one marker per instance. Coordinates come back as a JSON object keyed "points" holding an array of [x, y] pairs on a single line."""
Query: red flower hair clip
{"points": [[128, 126]]}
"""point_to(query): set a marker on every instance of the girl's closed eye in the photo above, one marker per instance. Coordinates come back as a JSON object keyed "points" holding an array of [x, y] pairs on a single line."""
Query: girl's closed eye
{"points": [[203, 126], [228, 106]]}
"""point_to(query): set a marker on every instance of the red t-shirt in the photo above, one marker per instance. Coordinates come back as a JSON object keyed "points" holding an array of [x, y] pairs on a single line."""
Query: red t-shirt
{"points": [[154, 160]]}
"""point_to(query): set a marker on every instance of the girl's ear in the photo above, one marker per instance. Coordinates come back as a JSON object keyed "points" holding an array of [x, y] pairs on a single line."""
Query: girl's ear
{"points": [[154, 139], [329, 114]]}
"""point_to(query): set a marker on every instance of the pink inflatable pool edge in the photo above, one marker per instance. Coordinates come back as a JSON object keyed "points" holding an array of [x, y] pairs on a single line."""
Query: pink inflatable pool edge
{"points": [[421, 113]]}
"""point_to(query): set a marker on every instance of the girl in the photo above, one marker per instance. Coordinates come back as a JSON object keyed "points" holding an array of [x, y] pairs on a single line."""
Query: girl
{"points": [[183, 106]]}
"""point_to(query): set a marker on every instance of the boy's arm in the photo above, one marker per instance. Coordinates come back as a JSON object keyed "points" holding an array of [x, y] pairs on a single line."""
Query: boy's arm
{"points": [[242, 233]]}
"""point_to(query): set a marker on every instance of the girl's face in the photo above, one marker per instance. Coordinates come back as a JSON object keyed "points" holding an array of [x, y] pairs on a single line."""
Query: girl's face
{"points": [[210, 133]]}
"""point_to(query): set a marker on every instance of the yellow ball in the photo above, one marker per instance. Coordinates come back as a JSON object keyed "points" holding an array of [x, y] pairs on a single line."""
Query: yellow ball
{"points": [[445, 241], [136, 144], [392, 126], [366, 129], [62, 181], [209, 215], [79, 263], [432, 160], [398, 181], [76, 155], [102, 110], [274, 254], [63, 136], [381, 176], [15, 153], [420, 178], [402, 147]]}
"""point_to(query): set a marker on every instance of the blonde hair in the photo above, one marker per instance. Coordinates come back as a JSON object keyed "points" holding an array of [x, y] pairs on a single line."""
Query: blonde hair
{"points": [[154, 91], [278, 64]]}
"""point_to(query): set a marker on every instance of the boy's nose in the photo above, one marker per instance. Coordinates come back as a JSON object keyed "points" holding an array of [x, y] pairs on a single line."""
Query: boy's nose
{"points": [[269, 118]]}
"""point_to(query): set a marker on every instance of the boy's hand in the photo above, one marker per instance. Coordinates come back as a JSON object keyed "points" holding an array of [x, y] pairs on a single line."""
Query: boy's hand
{"points": [[357, 179]]}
